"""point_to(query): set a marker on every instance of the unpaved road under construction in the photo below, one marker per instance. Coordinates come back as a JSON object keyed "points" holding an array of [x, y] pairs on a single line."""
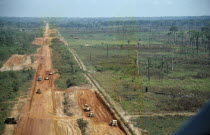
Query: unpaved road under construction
{"points": [[44, 114]]}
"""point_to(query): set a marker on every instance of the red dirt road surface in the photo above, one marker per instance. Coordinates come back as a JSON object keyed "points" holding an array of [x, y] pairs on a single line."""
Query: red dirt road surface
{"points": [[44, 114]]}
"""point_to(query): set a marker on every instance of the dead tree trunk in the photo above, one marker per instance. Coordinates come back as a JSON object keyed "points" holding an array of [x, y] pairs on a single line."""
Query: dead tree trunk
{"points": [[90, 56], [107, 51], [172, 63], [137, 61], [148, 68], [209, 51]]}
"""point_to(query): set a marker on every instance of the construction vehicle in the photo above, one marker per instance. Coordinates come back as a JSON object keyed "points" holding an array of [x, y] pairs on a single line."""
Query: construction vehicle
{"points": [[50, 73], [113, 123], [10, 120], [46, 78], [38, 91], [39, 78], [87, 108], [91, 114]]}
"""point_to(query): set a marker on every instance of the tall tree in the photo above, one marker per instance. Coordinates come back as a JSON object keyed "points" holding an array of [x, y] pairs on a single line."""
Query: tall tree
{"points": [[181, 35], [206, 32], [174, 30], [128, 41], [196, 35]]}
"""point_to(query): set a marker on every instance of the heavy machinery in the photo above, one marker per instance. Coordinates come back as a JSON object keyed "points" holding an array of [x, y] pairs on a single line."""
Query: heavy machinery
{"points": [[10, 120], [113, 123], [39, 91], [87, 108], [46, 77], [50, 73], [39, 78], [91, 114]]}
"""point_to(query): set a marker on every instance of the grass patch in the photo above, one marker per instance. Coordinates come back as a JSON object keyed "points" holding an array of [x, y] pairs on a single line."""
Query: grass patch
{"points": [[179, 76], [116, 71], [160, 125]]}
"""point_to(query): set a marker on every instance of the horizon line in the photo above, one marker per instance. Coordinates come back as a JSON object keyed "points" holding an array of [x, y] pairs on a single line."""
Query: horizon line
{"points": [[103, 17]]}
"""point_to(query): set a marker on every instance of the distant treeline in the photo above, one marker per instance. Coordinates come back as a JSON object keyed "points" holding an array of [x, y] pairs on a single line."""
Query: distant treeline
{"points": [[198, 21], [21, 22]]}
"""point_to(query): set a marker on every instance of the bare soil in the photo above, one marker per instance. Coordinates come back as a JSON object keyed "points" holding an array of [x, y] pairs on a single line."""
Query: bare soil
{"points": [[19, 62], [44, 113]]}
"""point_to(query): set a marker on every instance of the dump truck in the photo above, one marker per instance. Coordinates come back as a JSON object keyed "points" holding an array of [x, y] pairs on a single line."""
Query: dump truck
{"points": [[87, 108], [10, 120], [113, 123], [91, 114], [38, 91], [46, 77], [39, 78]]}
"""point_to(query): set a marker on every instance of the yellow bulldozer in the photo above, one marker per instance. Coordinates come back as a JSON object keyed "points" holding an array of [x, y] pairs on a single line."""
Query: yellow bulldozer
{"points": [[87, 108], [91, 114], [46, 77], [51, 73], [38, 91], [113, 123]]}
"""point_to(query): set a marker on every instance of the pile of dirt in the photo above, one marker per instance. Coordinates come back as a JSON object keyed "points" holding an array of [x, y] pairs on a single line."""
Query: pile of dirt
{"points": [[70, 106], [19, 62], [88, 44]]}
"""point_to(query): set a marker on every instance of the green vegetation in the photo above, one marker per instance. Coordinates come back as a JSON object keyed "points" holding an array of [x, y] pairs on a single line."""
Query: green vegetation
{"points": [[16, 35], [17, 40], [5, 109], [68, 104], [11, 84], [160, 125], [172, 65], [82, 125], [117, 73], [70, 73], [147, 66]]}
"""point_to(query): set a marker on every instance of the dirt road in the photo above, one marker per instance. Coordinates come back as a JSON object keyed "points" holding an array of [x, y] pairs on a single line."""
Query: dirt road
{"points": [[37, 116], [44, 114]]}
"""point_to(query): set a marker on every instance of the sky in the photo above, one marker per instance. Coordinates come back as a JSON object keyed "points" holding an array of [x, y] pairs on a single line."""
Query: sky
{"points": [[103, 8]]}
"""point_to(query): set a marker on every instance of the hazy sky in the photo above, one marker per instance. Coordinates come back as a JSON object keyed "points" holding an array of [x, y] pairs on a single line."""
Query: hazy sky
{"points": [[103, 8]]}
